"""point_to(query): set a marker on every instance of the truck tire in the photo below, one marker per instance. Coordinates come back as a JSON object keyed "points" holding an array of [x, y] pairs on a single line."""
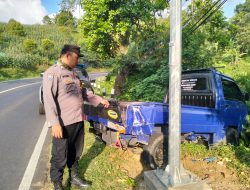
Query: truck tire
{"points": [[155, 154], [232, 136], [41, 109]]}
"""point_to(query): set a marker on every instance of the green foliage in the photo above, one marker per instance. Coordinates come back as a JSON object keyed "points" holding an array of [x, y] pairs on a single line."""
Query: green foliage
{"points": [[239, 71], [241, 25], [16, 28], [107, 25], [30, 45], [48, 48], [47, 44], [43, 37], [65, 18], [152, 88], [47, 20], [17, 73], [25, 61], [1, 40], [143, 71], [213, 44], [245, 134], [69, 4]]}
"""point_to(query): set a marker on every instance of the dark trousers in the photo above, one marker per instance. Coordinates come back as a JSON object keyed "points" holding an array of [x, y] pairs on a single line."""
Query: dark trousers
{"points": [[66, 150]]}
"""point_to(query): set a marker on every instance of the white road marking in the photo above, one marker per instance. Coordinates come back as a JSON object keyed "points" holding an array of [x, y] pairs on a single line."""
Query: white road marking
{"points": [[30, 170], [18, 87]]}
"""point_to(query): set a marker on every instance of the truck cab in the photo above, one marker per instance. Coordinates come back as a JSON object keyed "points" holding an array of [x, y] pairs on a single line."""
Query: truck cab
{"points": [[213, 106]]}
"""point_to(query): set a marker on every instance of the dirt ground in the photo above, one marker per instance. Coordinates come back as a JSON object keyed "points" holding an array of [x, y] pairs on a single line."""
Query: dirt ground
{"points": [[213, 172]]}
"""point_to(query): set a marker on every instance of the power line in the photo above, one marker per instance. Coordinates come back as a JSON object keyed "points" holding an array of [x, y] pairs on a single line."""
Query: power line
{"points": [[211, 8], [203, 22], [192, 17]]}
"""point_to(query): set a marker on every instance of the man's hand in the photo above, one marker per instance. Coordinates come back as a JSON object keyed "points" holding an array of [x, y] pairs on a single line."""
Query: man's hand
{"points": [[105, 103], [57, 131]]}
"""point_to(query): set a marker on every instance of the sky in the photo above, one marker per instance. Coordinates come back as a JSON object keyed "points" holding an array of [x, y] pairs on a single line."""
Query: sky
{"points": [[33, 11]]}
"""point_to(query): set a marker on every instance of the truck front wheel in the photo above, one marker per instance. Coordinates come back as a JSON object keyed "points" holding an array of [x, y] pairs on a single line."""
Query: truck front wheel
{"points": [[232, 136], [155, 154]]}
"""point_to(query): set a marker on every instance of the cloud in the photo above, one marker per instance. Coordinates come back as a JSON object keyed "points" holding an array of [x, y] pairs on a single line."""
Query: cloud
{"points": [[78, 12], [24, 11]]}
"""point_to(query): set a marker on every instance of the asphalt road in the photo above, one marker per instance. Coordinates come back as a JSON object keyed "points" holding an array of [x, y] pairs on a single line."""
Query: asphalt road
{"points": [[20, 128], [93, 76]]}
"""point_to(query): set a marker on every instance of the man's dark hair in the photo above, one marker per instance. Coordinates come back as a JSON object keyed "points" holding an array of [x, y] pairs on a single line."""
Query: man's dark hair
{"points": [[71, 48]]}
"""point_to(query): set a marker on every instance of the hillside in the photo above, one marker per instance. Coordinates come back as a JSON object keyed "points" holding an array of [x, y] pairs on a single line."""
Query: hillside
{"points": [[29, 49]]}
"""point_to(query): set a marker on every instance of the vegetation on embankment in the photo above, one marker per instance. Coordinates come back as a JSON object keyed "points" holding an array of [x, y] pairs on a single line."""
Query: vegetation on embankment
{"points": [[27, 50], [19, 73]]}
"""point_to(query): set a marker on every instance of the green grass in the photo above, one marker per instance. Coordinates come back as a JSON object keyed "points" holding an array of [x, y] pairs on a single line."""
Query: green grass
{"points": [[17, 73], [100, 164]]}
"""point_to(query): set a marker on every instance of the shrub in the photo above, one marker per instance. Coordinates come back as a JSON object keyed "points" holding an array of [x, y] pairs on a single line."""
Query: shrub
{"points": [[16, 28], [30, 45]]}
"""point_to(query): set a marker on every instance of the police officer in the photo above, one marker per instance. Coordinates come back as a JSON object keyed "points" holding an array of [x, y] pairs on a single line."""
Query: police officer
{"points": [[63, 101]]}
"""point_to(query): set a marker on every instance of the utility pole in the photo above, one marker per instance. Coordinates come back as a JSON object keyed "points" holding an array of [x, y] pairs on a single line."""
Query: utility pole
{"points": [[174, 177], [174, 91]]}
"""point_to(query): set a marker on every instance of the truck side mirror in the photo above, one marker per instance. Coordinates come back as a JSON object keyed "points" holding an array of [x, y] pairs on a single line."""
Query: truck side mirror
{"points": [[246, 97]]}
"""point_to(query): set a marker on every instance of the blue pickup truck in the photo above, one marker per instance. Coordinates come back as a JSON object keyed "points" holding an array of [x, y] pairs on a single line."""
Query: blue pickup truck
{"points": [[213, 111]]}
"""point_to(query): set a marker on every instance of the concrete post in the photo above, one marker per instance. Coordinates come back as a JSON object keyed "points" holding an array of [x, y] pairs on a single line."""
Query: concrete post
{"points": [[174, 91]]}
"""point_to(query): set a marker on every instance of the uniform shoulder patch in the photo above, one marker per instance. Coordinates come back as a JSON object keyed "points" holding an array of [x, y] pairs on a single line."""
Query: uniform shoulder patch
{"points": [[50, 77]]}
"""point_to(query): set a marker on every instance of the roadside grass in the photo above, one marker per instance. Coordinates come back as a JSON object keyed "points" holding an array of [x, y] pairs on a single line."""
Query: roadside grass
{"points": [[237, 159], [104, 166], [100, 164], [17, 73], [95, 70]]}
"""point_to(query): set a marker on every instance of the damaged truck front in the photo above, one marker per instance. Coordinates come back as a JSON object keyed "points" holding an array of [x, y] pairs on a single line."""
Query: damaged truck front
{"points": [[213, 111]]}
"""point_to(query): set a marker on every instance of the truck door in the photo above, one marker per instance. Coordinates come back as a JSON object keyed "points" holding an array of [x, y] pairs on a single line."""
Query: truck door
{"points": [[233, 108]]}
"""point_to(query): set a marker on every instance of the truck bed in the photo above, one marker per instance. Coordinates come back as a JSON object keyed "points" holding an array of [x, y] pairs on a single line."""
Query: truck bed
{"points": [[136, 117]]}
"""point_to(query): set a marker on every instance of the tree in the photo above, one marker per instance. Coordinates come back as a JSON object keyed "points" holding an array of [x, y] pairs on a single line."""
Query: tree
{"points": [[69, 4], [30, 45], [107, 25], [47, 20], [241, 25], [16, 28], [65, 18], [202, 46]]}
